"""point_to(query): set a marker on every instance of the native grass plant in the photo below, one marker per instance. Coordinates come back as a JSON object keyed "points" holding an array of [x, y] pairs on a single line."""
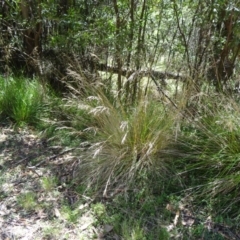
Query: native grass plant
{"points": [[27, 201], [126, 145], [48, 183], [71, 215], [212, 152], [135, 232], [125, 142], [138, 214], [65, 122], [21, 100]]}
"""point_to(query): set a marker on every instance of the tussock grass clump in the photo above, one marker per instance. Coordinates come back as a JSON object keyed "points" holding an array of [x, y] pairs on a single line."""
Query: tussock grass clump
{"points": [[212, 150], [126, 145], [27, 201], [125, 142], [21, 100]]}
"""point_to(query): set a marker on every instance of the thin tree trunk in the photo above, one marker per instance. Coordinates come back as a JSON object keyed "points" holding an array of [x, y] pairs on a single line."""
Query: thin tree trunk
{"points": [[118, 46], [139, 48], [131, 36]]}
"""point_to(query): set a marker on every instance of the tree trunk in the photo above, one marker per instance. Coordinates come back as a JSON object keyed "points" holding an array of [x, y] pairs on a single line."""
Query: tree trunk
{"points": [[223, 62], [118, 46]]}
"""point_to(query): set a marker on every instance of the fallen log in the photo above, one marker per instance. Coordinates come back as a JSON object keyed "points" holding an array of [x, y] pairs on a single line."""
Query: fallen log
{"points": [[133, 74]]}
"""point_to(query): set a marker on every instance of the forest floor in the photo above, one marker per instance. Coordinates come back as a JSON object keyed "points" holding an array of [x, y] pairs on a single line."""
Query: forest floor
{"points": [[32, 204], [36, 203]]}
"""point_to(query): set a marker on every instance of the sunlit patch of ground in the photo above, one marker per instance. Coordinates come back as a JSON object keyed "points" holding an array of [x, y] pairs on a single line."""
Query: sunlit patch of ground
{"points": [[36, 203], [32, 206]]}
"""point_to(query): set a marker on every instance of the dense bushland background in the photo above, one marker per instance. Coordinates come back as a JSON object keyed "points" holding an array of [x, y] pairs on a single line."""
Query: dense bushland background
{"points": [[145, 95]]}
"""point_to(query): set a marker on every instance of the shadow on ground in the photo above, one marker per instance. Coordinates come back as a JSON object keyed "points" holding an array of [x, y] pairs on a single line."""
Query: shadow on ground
{"points": [[34, 203]]}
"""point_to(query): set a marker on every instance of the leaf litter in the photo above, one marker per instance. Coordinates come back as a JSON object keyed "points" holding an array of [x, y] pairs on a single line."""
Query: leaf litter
{"points": [[27, 210]]}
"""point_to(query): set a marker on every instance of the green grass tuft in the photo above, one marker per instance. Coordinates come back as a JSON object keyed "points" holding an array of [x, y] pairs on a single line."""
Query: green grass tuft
{"points": [[27, 201], [21, 100], [209, 153]]}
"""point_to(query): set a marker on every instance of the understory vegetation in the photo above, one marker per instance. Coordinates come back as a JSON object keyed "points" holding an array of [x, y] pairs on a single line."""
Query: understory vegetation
{"points": [[152, 171], [119, 119]]}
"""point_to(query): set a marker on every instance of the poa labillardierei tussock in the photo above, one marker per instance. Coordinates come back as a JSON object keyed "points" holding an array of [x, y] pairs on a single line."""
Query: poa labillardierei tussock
{"points": [[212, 150], [125, 143]]}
